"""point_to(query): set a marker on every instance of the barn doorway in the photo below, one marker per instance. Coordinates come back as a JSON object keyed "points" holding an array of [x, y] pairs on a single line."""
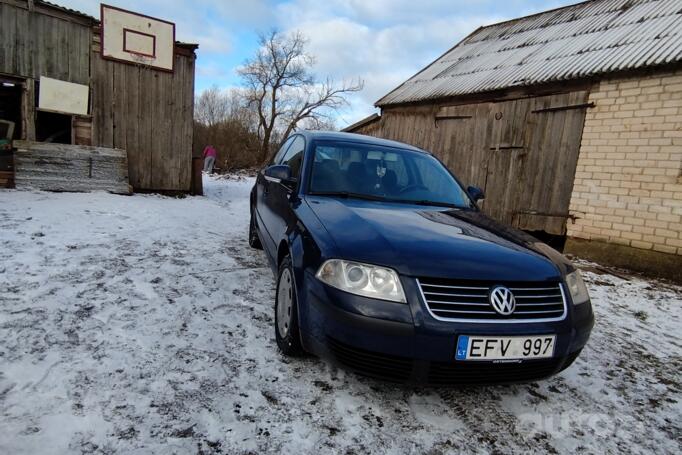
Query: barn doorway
{"points": [[10, 127], [10, 108]]}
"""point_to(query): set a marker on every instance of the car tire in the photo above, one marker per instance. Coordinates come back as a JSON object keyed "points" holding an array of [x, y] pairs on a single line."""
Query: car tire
{"points": [[254, 241], [286, 311]]}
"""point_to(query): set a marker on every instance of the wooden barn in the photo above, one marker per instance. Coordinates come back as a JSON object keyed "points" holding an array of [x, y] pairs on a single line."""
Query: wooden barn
{"points": [[67, 78], [570, 120]]}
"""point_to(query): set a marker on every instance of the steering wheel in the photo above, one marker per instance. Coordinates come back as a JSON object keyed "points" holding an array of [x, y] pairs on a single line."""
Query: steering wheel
{"points": [[414, 186]]}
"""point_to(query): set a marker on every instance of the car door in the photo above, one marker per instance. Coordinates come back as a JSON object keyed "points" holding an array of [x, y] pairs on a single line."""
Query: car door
{"points": [[263, 211], [279, 196]]}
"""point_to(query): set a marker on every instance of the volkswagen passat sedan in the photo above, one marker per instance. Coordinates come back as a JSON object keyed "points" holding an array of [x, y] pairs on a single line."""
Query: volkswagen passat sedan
{"points": [[385, 264]]}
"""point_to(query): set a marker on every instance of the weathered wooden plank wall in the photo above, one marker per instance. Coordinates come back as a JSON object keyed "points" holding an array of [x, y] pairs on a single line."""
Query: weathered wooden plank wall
{"points": [[523, 152], [82, 130], [42, 42], [148, 113], [62, 167], [34, 45]]}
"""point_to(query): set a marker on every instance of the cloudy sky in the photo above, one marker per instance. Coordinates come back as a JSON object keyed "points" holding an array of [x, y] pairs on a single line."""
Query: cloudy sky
{"points": [[383, 42]]}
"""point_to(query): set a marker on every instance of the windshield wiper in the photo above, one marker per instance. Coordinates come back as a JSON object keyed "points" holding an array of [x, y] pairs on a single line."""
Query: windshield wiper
{"points": [[431, 203], [348, 194], [427, 202], [371, 197]]}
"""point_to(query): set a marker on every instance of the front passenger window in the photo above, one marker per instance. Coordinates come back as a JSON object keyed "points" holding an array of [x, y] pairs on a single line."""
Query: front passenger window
{"points": [[278, 156], [294, 156]]}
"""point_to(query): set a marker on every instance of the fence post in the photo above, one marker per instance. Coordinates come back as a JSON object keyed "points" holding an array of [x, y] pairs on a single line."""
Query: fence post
{"points": [[197, 167]]}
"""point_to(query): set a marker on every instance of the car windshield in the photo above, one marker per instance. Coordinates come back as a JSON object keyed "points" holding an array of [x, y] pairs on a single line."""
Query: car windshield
{"points": [[367, 171]]}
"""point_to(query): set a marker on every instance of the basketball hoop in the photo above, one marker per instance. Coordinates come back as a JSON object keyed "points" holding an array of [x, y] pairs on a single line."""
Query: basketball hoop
{"points": [[142, 60]]}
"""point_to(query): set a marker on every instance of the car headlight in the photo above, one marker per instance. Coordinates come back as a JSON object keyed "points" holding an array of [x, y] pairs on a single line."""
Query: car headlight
{"points": [[362, 279], [577, 288]]}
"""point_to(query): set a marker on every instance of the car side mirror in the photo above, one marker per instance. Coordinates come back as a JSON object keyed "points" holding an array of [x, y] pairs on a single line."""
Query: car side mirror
{"points": [[280, 173], [476, 193]]}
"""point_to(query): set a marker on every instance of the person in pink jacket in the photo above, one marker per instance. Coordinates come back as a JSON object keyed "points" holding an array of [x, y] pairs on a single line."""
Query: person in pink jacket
{"points": [[209, 159]]}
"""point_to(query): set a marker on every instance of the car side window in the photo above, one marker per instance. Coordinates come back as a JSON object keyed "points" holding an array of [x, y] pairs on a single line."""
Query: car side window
{"points": [[280, 153], [294, 156]]}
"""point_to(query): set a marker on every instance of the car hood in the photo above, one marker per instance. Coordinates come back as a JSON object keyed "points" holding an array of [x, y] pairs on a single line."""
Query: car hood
{"points": [[434, 241]]}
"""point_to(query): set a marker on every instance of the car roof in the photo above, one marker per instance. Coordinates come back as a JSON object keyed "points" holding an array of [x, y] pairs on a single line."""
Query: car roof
{"points": [[360, 138]]}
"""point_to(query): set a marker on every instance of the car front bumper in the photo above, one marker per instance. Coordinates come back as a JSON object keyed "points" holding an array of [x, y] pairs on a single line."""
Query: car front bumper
{"points": [[404, 343]]}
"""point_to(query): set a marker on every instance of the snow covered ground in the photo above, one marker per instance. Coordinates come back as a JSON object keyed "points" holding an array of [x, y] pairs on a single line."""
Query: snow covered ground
{"points": [[143, 324]]}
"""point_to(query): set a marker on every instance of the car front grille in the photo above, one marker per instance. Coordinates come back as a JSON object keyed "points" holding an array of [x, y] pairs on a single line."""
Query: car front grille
{"points": [[467, 301]]}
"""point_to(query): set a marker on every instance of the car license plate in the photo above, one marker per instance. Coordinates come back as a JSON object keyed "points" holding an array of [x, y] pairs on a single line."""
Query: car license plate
{"points": [[505, 348]]}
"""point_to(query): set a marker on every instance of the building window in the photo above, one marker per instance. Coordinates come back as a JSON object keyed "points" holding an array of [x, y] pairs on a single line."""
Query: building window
{"points": [[53, 127]]}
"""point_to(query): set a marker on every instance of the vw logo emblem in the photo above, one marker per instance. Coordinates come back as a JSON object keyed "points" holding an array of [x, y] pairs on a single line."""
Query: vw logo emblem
{"points": [[502, 300]]}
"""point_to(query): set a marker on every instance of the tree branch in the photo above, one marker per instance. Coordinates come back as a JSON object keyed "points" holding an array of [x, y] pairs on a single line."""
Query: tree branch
{"points": [[283, 90]]}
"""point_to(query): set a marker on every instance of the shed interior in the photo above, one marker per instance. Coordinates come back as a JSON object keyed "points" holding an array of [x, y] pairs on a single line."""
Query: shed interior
{"points": [[10, 127], [10, 107]]}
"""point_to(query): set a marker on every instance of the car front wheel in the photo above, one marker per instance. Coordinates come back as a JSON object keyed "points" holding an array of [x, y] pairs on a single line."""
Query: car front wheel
{"points": [[286, 311]]}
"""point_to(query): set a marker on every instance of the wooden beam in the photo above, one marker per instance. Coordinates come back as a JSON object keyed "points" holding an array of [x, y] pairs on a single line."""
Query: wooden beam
{"points": [[452, 117], [28, 111], [564, 108], [498, 96], [506, 147]]}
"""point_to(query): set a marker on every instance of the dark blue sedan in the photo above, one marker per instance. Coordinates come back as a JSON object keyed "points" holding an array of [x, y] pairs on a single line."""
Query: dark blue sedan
{"points": [[385, 265]]}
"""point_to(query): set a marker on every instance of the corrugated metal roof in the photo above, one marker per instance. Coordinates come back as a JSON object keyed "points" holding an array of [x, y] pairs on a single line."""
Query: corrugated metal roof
{"points": [[189, 46], [66, 10], [573, 42], [365, 121]]}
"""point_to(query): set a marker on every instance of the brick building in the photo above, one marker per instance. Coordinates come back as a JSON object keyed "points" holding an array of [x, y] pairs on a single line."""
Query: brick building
{"points": [[628, 182], [570, 120]]}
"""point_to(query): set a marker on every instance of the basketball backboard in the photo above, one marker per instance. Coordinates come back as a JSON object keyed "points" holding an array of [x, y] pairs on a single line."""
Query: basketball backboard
{"points": [[136, 38]]}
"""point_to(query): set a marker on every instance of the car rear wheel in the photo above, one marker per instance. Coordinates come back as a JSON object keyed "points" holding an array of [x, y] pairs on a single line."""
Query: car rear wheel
{"points": [[254, 241], [286, 311]]}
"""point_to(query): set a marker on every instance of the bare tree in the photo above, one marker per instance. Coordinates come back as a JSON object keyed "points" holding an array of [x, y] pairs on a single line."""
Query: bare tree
{"points": [[212, 107], [325, 123], [282, 90], [314, 104], [224, 120]]}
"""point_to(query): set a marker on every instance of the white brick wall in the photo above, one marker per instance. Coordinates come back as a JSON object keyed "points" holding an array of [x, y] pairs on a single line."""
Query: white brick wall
{"points": [[628, 183]]}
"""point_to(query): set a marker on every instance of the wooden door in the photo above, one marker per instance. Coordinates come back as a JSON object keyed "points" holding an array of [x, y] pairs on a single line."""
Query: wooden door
{"points": [[505, 158], [462, 135], [553, 135], [523, 154]]}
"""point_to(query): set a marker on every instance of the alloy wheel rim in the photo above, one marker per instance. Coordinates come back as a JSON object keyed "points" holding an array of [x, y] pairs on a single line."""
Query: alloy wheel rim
{"points": [[285, 299]]}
